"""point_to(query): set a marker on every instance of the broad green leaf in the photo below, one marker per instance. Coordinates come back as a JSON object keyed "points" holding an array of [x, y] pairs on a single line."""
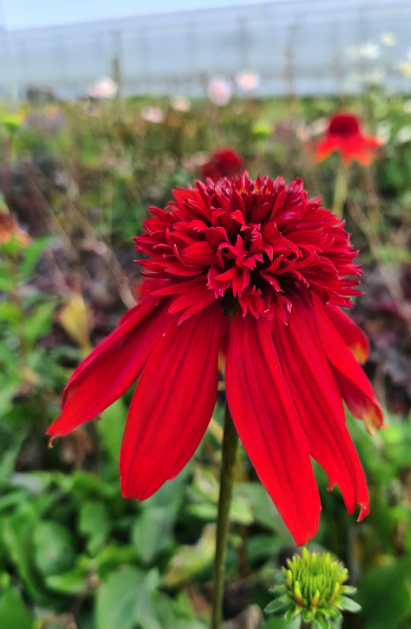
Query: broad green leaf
{"points": [[278, 606], [53, 548], [152, 533], [13, 613], [94, 524], [18, 538], [118, 599]]}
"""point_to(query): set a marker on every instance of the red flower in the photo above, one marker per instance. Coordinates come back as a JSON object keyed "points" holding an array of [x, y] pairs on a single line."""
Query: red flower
{"points": [[257, 271], [223, 163], [345, 136]]}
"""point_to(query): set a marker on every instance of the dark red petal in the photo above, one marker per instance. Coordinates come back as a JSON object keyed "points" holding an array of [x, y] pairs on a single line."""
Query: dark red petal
{"points": [[350, 332], [113, 366], [268, 425], [172, 404], [318, 403], [352, 381]]}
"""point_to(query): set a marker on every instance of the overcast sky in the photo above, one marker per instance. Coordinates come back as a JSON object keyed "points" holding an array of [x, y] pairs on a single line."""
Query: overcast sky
{"points": [[31, 13]]}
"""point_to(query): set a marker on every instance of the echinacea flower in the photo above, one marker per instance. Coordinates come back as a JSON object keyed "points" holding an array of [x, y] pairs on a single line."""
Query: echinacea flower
{"points": [[313, 586], [223, 163], [256, 272], [344, 135]]}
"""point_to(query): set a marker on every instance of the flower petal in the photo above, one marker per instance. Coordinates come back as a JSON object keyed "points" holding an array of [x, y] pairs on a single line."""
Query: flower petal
{"points": [[113, 366], [352, 381], [172, 404], [350, 332], [318, 403], [268, 425]]}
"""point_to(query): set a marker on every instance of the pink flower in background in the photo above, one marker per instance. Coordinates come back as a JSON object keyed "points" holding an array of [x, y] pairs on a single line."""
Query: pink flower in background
{"points": [[104, 89], [219, 91], [247, 80]]}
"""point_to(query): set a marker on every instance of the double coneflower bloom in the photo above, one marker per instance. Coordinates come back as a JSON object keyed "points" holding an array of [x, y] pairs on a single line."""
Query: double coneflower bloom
{"points": [[344, 135], [256, 273]]}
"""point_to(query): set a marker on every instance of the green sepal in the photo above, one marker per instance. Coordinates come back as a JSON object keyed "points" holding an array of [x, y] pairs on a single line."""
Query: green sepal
{"points": [[321, 622], [348, 605], [278, 606], [308, 615]]}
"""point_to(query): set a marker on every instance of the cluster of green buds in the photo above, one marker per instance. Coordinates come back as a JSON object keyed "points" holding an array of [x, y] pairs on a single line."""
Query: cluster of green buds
{"points": [[312, 587]]}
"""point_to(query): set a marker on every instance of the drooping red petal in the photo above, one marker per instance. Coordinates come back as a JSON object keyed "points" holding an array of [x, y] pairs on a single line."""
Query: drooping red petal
{"points": [[352, 381], [318, 403], [172, 404], [268, 425], [113, 366], [350, 332]]}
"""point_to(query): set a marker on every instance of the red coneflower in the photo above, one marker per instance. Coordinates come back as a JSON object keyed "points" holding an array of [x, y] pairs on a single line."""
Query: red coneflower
{"points": [[256, 271], [344, 135], [223, 163]]}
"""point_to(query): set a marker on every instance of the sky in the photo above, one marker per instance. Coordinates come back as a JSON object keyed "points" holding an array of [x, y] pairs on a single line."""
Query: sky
{"points": [[33, 13]]}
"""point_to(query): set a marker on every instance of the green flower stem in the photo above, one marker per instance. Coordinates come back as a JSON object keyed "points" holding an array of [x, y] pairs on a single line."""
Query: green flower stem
{"points": [[340, 191], [229, 452], [307, 625]]}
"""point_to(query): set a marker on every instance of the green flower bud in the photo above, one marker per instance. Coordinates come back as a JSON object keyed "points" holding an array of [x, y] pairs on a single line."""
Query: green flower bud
{"points": [[312, 586]]}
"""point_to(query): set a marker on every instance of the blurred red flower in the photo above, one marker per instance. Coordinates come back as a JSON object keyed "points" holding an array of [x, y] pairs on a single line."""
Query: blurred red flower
{"points": [[223, 163], [256, 271], [344, 135]]}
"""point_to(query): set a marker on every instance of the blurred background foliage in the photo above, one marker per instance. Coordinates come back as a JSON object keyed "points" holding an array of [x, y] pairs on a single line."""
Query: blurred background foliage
{"points": [[77, 179]]}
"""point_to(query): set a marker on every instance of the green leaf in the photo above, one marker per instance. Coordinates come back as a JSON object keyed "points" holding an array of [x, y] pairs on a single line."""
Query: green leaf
{"points": [[9, 312], [32, 254], [13, 613], [39, 323], [53, 548], [111, 429], [94, 524], [124, 600], [18, 536], [278, 605], [189, 560], [69, 583], [152, 533], [383, 595]]}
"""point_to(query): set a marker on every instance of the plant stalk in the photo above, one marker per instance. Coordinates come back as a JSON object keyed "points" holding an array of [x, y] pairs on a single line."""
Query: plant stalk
{"points": [[229, 452], [340, 191], [307, 625]]}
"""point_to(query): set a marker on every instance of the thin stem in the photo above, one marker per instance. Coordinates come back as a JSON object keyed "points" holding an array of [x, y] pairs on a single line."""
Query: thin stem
{"points": [[229, 451], [340, 191], [307, 625]]}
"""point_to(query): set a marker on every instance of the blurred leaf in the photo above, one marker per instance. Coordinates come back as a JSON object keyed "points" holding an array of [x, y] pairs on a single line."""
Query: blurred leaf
{"points": [[17, 533], [189, 560], [40, 322], [94, 524], [111, 428], [384, 595], [53, 548], [74, 317], [32, 254], [117, 602], [152, 533], [9, 312], [13, 613], [70, 583], [124, 600]]}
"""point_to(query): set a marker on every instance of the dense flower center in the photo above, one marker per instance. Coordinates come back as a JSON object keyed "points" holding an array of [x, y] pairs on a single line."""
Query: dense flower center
{"points": [[344, 125], [249, 244]]}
